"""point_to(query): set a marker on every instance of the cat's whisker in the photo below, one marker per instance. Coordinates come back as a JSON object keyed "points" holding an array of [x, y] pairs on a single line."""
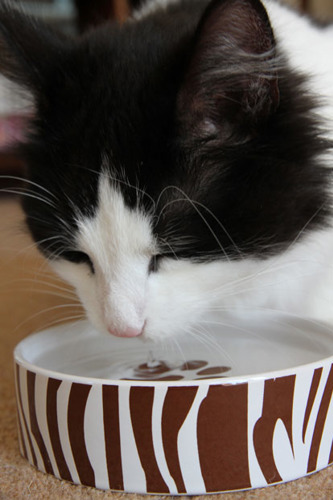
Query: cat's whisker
{"points": [[175, 242], [116, 179], [303, 229], [289, 248], [48, 275], [64, 319], [232, 326], [179, 349], [48, 310], [42, 292], [67, 230], [52, 257], [36, 243], [309, 336], [208, 340], [42, 269], [196, 205], [28, 181], [28, 190], [54, 294], [251, 309], [201, 216], [167, 345], [234, 293], [239, 252], [56, 254], [74, 207], [49, 284], [65, 225], [25, 253], [272, 267], [45, 283], [284, 324], [20, 192], [170, 247]]}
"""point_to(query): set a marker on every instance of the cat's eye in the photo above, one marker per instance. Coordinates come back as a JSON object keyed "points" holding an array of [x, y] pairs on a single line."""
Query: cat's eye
{"points": [[78, 257], [154, 264]]}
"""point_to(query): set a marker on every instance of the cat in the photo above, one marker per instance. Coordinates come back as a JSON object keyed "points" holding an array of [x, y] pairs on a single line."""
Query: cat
{"points": [[180, 165]]}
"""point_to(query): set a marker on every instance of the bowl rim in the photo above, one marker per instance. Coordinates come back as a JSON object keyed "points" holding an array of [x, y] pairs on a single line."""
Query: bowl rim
{"points": [[235, 380]]}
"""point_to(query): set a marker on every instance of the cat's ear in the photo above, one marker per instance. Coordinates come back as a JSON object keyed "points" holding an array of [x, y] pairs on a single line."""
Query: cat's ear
{"points": [[230, 85], [29, 50]]}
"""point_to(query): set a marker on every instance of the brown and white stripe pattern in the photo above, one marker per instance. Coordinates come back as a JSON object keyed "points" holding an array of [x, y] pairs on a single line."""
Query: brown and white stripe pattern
{"points": [[177, 439]]}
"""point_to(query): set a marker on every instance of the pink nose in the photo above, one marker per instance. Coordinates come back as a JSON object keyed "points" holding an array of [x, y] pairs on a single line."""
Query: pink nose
{"points": [[126, 332]]}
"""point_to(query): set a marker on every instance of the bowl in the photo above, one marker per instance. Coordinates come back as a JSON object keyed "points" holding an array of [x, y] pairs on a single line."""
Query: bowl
{"points": [[242, 405]]}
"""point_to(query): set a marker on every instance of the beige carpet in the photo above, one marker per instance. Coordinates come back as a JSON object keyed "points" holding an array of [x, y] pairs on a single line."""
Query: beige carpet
{"points": [[26, 290]]}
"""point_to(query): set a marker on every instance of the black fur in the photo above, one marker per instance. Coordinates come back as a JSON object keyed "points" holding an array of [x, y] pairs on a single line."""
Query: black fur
{"points": [[232, 175]]}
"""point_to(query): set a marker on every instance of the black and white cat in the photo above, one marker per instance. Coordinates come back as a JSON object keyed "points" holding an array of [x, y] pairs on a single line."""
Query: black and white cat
{"points": [[180, 165]]}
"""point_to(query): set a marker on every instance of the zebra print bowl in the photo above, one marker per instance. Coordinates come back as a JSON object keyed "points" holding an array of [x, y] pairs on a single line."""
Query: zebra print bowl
{"points": [[250, 406]]}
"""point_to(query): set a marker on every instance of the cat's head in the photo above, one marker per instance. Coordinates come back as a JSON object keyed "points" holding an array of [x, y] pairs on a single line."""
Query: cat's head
{"points": [[164, 156]]}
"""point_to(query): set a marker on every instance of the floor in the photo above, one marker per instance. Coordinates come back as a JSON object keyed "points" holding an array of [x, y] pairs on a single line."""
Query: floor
{"points": [[31, 298]]}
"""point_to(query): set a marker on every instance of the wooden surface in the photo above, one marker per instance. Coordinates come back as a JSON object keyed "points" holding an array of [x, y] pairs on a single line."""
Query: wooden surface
{"points": [[31, 298]]}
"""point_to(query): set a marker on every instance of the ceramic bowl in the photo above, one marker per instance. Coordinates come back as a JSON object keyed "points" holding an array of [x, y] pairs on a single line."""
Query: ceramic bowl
{"points": [[243, 405]]}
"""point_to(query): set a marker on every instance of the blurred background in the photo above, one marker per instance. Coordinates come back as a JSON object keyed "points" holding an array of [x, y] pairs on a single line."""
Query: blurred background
{"points": [[75, 17]]}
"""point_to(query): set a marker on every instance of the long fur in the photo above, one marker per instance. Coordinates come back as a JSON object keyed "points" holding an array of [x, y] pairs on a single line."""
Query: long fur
{"points": [[182, 162]]}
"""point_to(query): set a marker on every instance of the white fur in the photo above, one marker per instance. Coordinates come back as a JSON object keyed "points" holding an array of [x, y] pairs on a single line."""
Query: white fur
{"points": [[181, 295], [309, 50], [120, 244]]}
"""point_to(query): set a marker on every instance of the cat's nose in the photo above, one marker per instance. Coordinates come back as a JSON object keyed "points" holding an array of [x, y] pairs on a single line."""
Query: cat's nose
{"points": [[127, 332]]}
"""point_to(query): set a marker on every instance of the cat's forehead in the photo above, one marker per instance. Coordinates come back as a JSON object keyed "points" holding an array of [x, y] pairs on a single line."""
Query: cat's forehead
{"points": [[114, 231]]}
